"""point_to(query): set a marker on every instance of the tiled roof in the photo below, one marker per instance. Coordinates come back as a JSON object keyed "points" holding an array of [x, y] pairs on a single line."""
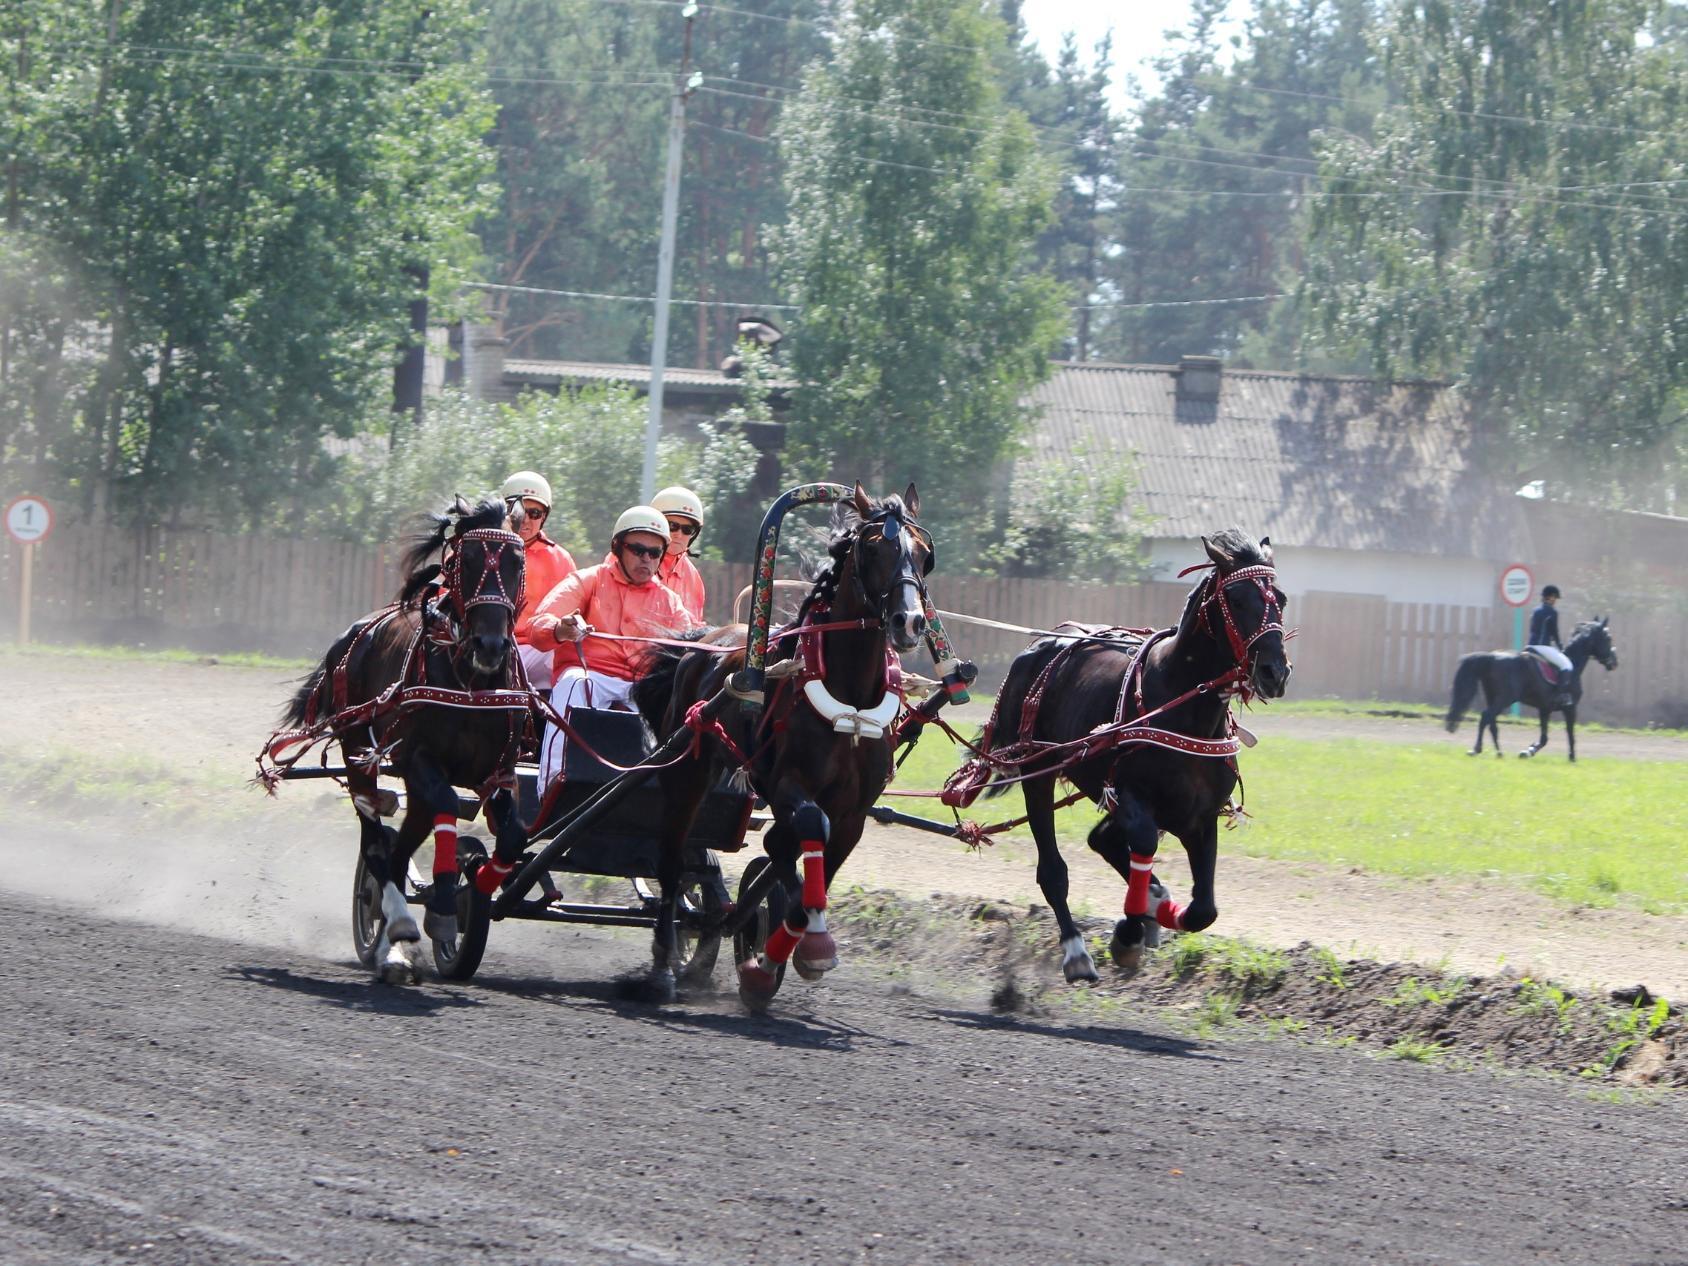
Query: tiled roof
{"points": [[1343, 463]]}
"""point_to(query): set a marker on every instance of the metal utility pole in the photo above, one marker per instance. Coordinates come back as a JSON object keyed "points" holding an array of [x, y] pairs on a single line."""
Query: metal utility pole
{"points": [[683, 86]]}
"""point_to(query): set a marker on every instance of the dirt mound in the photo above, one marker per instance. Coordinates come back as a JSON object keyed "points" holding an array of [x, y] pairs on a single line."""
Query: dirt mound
{"points": [[1510, 1020]]}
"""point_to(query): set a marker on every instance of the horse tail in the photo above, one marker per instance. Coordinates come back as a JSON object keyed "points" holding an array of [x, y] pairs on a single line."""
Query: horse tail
{"points": [[1467, 677], [298, 710]]}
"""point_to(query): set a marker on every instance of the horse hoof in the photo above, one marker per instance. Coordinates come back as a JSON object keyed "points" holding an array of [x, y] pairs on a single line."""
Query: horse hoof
{"points": [[756, 985], [1076, 963], [1127, 946], [817, 954], [397, 968], [440, 927], [662, 985]]}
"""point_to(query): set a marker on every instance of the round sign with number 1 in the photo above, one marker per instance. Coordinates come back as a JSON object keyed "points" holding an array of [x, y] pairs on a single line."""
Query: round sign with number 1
{"points": [[28, 520]]}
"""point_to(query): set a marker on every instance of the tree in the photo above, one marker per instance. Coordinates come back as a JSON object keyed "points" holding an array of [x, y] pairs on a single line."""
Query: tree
{"points": [[915, 199], [1514, 225], [232, 202], [1216, 179]]}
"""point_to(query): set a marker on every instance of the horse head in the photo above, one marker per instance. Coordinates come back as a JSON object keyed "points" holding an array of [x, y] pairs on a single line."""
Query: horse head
{"points": [[1598, 639], [482, 569], [1242, 591], [888, 555]]}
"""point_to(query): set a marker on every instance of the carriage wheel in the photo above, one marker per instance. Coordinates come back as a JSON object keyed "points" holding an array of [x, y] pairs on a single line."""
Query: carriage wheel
{"points": [[460, 959], [367, 920], [749, 939]]}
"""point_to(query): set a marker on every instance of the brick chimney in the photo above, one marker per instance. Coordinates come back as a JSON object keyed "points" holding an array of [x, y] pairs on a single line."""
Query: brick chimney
{"points": [[1198, 378]]}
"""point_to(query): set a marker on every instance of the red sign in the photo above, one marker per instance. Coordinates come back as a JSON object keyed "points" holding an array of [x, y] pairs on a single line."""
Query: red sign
{"points": [[1516, 585], [28, 519]]}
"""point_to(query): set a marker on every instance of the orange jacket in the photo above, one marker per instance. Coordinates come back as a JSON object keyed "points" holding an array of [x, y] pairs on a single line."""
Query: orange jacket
{"points": [[679, 573], [548, 565], [606, 600]]}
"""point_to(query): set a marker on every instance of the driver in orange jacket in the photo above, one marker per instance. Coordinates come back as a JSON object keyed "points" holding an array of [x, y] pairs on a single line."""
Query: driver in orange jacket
{"points": [[620, 596], [548, 565]]}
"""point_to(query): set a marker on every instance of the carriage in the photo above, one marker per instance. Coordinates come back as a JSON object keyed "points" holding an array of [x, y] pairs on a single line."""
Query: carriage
{"points": [[597, 824], [1136, 721]]}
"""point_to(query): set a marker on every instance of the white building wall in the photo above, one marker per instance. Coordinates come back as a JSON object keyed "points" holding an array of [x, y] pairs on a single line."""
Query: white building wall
{"points": [[1398, 577]]}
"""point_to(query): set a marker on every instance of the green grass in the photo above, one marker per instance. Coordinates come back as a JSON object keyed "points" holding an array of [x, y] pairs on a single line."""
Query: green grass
{"points": [[1595, 833], [235, 659], [70, 781]]}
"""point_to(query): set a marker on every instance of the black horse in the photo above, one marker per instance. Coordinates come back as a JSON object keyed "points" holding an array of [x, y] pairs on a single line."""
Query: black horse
{"points": [[450, 630], [820, 751], [1230, 638], [1509, 677]]}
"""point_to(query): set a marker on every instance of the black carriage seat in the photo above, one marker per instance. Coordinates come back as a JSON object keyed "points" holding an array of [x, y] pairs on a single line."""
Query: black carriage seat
{"points": [[625, 842]]}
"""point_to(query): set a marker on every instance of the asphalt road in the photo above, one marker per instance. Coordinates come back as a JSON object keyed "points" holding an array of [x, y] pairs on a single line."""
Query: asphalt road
{"points": [[171, 1097]]}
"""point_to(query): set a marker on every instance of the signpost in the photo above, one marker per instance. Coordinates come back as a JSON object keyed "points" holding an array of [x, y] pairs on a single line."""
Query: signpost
{"points": [[28, 521], [1516, 586]]}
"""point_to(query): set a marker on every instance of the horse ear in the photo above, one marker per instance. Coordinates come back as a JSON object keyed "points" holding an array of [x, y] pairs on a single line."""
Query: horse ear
{"points": [[459, 506], [864, 503], [1603, 620], [911, 500], [1213, 552]]}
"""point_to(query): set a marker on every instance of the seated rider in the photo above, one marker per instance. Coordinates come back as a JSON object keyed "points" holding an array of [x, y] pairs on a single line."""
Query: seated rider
{"points": [[1544, 641], [684, 511], [548, 564], [620, 596]]}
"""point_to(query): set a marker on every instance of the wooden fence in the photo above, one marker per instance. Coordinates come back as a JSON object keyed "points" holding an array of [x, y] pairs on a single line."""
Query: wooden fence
{"points": [[289, 596]]}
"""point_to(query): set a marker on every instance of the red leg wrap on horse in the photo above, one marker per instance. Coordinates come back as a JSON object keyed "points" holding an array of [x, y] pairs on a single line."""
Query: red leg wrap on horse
{"points": [[781, 941], [1170, 915], [445, 844], [814, 875], [1137, 887]]}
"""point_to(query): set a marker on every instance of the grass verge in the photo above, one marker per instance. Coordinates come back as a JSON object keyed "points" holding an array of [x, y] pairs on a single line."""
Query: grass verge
{"points": [[1596, 833], [144, 655]]}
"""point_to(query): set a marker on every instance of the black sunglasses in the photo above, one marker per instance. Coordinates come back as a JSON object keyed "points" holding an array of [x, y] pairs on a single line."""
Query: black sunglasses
{"points": [[684, 527], [649, 552]]}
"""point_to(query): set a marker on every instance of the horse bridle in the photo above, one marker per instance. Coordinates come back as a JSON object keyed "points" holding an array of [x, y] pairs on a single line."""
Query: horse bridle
{"points": [[489, 586], [1264, 577], [893, 528]]}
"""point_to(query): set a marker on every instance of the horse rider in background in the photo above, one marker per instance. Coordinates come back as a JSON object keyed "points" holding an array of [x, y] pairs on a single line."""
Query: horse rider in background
{"points": [[1544, 641], [684, 511], [548, 565], [620, 596]]}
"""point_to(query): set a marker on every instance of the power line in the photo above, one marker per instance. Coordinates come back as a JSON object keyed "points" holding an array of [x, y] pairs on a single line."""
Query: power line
{"points": [[1178, 303], [590, 294]]}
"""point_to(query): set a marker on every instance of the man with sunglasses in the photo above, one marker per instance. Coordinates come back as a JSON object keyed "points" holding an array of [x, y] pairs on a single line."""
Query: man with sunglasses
{"points": [[683, 509], [548, 564], [622, 597]]}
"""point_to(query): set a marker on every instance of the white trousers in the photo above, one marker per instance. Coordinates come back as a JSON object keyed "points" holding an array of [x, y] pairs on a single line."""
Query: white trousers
{"points": [[539, 665], [578, 688], [1554, 656]]}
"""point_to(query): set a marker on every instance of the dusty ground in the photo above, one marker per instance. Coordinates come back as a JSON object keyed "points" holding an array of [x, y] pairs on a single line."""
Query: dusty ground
{"points": [[208, 720]]}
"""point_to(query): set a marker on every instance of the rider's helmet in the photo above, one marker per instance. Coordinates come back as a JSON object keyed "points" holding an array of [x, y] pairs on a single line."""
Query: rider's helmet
{"points": [[640, 519], [681, 501], [529, 485], [1550, 591]]}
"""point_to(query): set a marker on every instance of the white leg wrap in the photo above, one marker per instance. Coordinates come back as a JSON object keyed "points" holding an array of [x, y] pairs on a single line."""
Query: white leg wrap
{"points": [[817, 920], [400, 925]]}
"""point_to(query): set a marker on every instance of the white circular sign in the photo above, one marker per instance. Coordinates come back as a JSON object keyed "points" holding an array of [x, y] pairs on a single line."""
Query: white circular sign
{"points": [[1516, 585], [29, 520]]}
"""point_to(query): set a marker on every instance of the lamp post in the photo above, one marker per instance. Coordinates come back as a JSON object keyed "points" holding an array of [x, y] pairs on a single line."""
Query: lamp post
{"points": [[684, 85]]}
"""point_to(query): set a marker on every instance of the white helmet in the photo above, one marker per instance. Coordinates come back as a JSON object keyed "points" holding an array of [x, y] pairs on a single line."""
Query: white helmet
{"points": [[527, 484], [678, 500], [641, 519]]}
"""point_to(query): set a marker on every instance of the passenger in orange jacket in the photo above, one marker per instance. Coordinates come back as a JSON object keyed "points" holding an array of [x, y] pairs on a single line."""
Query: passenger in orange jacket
{"points": [[548, 565], [684, 511], [620, 596]]}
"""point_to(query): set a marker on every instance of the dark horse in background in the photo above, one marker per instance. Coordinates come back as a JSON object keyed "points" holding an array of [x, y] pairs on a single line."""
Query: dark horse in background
{"points": [[818, 781], [463, 611], [1231, 633], [1509, 677]]}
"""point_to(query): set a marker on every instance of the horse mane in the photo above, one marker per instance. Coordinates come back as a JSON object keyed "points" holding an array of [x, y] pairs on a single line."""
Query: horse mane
{"points": [[452, 522]]}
